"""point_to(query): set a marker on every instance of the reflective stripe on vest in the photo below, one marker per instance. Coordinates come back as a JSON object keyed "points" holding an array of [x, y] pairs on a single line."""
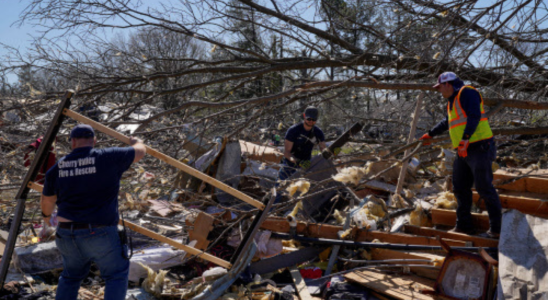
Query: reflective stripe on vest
{"points": [[457, 121]]}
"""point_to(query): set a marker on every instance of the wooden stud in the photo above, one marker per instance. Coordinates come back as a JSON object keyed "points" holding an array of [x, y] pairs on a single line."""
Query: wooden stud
{"points": [[171, 242], [449, 218], [426, 231], [275, 224]]}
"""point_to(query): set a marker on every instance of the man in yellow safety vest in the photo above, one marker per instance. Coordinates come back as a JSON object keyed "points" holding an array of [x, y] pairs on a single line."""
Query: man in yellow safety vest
{"points": [[472, 137]]}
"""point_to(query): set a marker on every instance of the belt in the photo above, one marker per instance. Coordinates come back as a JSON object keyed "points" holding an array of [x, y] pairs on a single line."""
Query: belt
{"points": [[76, 226]]}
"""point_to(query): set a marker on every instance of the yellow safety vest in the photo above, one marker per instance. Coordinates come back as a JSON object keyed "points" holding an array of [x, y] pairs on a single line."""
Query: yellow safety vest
{"points": [[457, 122]]}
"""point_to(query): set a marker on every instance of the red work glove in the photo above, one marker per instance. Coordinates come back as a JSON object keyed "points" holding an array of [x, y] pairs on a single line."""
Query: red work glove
{"points": [[462, 150], [425, 137]]}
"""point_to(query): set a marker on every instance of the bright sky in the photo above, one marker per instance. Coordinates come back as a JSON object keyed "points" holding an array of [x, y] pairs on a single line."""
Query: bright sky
{"points": [[11, 34]]}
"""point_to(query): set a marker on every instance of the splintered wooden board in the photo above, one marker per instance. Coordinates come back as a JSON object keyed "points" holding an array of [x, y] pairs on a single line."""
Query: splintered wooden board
{"points": [[528, 203], [449, 218], [535, 182], [397, 286]]}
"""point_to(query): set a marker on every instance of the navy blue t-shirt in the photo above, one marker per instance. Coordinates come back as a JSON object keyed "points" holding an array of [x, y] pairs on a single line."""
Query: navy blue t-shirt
{"points": [[303, 140], [87, 182]]}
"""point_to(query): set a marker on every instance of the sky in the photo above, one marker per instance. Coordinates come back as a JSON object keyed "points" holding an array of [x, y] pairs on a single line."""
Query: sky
{"points": [[11, 34], [18, 37]]}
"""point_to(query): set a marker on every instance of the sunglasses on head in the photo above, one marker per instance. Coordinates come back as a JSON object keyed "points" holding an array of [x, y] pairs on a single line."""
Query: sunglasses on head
{"points": [[310, 119]]}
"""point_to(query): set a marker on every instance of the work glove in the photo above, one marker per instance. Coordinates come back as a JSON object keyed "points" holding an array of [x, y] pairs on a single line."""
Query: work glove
{"points": [[304, 164], [462, 149], [424, 139]]}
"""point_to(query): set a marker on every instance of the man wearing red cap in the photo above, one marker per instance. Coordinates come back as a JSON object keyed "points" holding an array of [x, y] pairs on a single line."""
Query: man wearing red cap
{"points": [[472, 137]]}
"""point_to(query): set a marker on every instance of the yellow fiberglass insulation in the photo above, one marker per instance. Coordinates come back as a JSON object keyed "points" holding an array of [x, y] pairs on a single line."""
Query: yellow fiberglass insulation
{"points": [[446, 200], [338, 217], [154, 283], [376, 209], [419, 218], [350, 175], [301, 186]]}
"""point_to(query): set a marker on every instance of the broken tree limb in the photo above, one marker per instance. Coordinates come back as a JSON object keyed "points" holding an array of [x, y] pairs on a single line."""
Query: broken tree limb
{"points": [[161, 238], [167, 159], [496, 131]]}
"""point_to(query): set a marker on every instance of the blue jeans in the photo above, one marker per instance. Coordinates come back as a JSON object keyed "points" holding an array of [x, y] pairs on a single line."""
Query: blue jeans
{"points": [[288, 168], [100, 245], [475, 169]]}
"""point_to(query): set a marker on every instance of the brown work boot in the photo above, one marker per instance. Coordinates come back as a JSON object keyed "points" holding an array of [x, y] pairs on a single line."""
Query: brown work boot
{"points": [[460, 230], [489, 235]]}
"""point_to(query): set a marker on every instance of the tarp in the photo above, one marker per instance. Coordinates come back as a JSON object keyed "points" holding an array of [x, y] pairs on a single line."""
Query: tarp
{"points": [[523, 262]]}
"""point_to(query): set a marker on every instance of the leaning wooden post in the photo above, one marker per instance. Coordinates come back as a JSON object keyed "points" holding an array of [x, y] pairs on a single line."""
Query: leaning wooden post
{"points": [[411, 137], [21, 196]]}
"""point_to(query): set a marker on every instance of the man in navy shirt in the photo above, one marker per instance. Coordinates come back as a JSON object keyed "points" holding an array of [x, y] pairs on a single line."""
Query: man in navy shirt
{"points": [[300, 139], [84, 185], [472, 137]]}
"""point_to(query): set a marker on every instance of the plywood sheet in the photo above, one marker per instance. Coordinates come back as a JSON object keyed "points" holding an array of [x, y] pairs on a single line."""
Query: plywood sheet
{"points": [[397, 286]]}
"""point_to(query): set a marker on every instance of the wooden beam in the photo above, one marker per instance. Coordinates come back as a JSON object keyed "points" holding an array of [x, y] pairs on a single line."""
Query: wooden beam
{"points": [[449, 218], [426, 231], [161, 238], [383, 254], [302, 289], [531, 183], [167, 159], [216, 260], [319, 230], [522, 201], [403, 287]]}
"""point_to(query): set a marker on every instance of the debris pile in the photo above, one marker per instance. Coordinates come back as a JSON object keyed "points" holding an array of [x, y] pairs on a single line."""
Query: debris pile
{"points": [[340, 230]]}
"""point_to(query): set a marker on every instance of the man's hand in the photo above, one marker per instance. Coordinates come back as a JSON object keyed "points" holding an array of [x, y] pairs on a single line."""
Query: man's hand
{"points": [[462, 150], [134, 140], [424, 138]]}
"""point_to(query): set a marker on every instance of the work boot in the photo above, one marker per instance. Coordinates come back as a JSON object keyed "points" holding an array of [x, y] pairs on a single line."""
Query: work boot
{"points": [[460, 230], [490, 235]]}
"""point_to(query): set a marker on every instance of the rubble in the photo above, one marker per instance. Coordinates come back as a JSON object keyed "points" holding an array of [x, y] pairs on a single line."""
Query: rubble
{"points": [[335, 231]]}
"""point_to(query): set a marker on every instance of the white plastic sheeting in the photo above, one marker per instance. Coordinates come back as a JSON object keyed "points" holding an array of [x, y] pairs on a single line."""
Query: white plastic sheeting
{"points": [[523, 262], [155, 258]]}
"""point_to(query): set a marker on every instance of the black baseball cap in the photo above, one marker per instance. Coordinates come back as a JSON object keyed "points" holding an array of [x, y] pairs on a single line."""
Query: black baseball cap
{"points": [[311, 112], [82, 131]]}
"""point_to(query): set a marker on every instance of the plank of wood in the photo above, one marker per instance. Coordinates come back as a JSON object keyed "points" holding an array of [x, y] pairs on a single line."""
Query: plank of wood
{"points": [[532, 183], [410, 138], [319, 230], [167, 159], [382, 254], [216, 260], [449, 218], [302, 289], [200, 230], [427, 231], [525, 202], [403, 287]]}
